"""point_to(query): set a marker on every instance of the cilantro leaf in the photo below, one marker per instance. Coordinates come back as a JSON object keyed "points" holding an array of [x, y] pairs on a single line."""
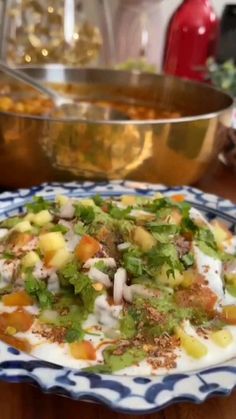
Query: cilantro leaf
{"points": [[133, 263], [61, 228], [10, 222], [165, 254], [209, 251], [38, 289], [8, 255], [101, 266], [162, 232], [119, 213], [188, 260], [98, 369], [80, 229], [98, 200], [75, 334], [85, 213], [38, 204]]}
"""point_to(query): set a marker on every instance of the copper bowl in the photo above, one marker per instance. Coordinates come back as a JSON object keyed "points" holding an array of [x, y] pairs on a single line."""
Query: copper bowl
{"points": [[176, 150]]}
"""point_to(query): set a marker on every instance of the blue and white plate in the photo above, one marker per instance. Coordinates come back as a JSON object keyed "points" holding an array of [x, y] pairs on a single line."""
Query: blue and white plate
{"points": [[135, 395]]}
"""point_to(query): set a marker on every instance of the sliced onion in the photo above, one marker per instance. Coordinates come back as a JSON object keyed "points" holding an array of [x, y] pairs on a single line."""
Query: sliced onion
{"points": [[120, 279], [130, 291], [53, 283], [123, 246], [41, 272], [3, 232], [72, 240], [99, 276], [65, 223], [67, 211], [107, 261]]}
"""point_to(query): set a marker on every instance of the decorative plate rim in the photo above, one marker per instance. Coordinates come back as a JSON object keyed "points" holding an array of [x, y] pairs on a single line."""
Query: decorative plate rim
{"points": [[133, 395]]}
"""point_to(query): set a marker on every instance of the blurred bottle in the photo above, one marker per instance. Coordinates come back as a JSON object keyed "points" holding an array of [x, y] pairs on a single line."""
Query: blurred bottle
{"points": [[227, 44], [138, 34], [191, 39]]}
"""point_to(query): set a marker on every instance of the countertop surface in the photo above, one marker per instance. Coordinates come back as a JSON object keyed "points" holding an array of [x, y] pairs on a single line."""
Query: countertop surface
{"points": [[23, 401]]}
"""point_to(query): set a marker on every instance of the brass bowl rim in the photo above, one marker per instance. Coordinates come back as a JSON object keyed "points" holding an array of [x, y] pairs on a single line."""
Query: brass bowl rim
{"points": [[110, 72]]}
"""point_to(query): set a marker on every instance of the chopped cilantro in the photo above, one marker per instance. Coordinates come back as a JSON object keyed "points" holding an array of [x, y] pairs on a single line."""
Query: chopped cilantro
{"points": [[119, 213], [38, 289], [133, 262], [82, 284], [10, 222], [8, 255], [165, 253], [101, 266], [80, 229], [188, 260], [61, 228], [98, 200], [75, 334], [208, 250], [162, 232], [38, 204], [98, 369], [85, 213]]}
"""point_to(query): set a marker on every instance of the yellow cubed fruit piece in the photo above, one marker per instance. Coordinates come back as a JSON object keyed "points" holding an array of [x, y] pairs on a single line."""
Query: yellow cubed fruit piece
{"points": [[222, 338], [189, 277], [62, 200], [29, 217], [143, 239], [220, 232], [192, 346], [50, 242], [60, 258], [87, 202], [42, 218], [168, 279], [30, 259], [23, 226], [128, 200], [230, 278]]}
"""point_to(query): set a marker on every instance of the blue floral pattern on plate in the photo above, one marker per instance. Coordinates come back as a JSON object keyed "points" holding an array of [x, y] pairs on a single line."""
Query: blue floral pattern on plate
{"points": [[135, 395]]}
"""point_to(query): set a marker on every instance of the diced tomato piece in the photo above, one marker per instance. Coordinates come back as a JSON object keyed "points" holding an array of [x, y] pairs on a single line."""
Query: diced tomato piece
{"points": [[197, 296], [229, 314], [178, 198], [19, 299], [21, 344], [83, 350], [20, 320], [48, 257], [87, 248]]}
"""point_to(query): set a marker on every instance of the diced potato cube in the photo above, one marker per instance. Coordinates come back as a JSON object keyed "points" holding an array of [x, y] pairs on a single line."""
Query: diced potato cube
{"points": [[29, 217], [143, 239], [222, 338], [128, 200], [189, 278], [62, 200], [193, 347], [42, 218], [87, 202], [59, 259], [23, 226], [230, 278], [229, 314], [220, 232], [50, 242], [30, 259], [169, 279], [83, 350]]}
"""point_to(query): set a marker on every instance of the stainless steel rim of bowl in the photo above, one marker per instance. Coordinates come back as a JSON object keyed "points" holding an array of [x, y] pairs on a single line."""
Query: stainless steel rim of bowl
{"points": [[61, 74]]}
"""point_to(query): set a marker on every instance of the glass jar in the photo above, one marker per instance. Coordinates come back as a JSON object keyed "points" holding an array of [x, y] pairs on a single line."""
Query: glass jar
{"points": [[55, 31], [138, 33]]}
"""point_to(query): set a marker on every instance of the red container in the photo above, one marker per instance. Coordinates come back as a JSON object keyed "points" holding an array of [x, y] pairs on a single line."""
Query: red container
{"points": [[191, 39]]}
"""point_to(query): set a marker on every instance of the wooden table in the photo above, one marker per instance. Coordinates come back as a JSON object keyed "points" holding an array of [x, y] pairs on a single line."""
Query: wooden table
{"points": [[23, 401]]}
